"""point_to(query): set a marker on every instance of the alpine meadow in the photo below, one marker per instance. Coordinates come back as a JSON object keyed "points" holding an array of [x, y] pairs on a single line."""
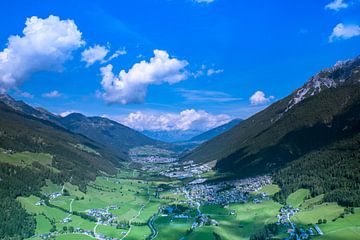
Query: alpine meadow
{"points": [[180, 120]]}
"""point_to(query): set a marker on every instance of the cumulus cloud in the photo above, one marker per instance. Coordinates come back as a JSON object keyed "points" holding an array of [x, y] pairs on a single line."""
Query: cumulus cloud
{"points": [[336, 5], [98, 53], [342, 31], [131, 86], [52, 94], [45, 45], [184, 120], [94, 54], [259, 98]]}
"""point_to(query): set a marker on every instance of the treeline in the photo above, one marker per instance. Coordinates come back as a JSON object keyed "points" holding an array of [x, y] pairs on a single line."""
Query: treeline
{"points": [[334, 172], [15, 222], [267, 232]]}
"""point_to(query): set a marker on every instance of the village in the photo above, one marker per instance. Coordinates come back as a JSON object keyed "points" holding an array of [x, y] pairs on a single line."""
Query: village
{"points": [[224, 193]]}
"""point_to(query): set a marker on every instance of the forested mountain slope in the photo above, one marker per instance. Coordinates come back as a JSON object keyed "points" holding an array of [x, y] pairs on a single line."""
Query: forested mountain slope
{"points": [[294, 135]]}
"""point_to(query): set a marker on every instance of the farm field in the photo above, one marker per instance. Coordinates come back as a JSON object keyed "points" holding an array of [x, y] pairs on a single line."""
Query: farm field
{"points": [[336, 227], [297, 198], [136, 202], [132, 200]]}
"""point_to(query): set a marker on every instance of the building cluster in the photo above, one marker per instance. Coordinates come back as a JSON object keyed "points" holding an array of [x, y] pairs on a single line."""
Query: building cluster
{"points": [[103, 216], [204, 220], [151, 154], [224, 193], [186, 170], [294, 232], [285, 213]]}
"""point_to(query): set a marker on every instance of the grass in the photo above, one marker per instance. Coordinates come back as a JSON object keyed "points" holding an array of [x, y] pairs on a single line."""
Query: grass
{"points": [[248, 219], [27, 158], [168, 226], [297, 198], [347, 228], [270, 189], [84, 148], [43, 224], [326, 211], [129, 194], [312, 201], [73, 237]]}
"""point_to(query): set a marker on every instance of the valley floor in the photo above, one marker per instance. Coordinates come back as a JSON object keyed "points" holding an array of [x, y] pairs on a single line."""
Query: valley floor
{"points": [[137, 204], [122, 207]]}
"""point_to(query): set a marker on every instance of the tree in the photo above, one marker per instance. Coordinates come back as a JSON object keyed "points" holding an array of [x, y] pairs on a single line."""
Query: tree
{"points": [[320, 221]]}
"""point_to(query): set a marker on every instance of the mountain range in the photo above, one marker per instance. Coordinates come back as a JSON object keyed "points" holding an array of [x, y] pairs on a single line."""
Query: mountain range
{"points": [[118, 138], [293, 136]]}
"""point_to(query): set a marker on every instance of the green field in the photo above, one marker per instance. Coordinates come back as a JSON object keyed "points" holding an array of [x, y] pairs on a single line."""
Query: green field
{"points": [[26, 158], [270, 189], [137, 203], [249, 217], [313, 209], [297, 198]]}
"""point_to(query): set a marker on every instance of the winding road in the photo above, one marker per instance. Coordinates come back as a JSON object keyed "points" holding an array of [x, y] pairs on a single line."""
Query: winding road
{"points": [[137, 215]]}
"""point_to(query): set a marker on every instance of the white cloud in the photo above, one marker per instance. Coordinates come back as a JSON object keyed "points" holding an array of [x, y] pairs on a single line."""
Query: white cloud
{"points": [[94, 54], [342, 31], [64, 114], [117, 54], [212, 71], [98, 54], [131, 86], [24, 94], [259, 98], [45, 45], [52, 94], [336, 5], [206, 71], [189, 119], [206, 96], [204, 1]]}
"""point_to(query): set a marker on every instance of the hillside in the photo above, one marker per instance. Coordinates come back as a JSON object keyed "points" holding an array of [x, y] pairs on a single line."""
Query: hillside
{"points": [[172, 136], [215, 131], [195, 141], [33, 150], [117, 137], [316, 117], [20, 132]]}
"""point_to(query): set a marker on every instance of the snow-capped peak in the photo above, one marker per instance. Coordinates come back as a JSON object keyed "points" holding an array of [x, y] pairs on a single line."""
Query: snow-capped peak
{"points": [[341, 73]]}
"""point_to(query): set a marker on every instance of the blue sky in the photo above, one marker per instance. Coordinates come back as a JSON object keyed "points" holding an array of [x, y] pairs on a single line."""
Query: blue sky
{"points": [[220, 53]]}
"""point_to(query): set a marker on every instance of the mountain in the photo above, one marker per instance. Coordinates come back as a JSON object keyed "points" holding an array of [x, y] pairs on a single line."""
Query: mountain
{"points": [[20, 132], [172, 136], [321, 117], [33, 150], [22, 107], [117, 137], [215, 131], [195, 141]]}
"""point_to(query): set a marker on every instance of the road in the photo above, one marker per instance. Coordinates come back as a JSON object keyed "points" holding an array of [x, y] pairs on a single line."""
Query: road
{"points": [[70, 208], [137, 215]]}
